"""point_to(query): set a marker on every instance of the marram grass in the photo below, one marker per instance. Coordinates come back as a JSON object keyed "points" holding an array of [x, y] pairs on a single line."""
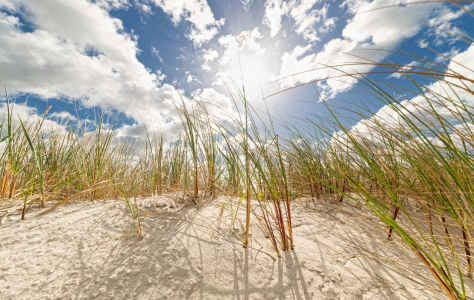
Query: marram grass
{"points": [[422, 156]]}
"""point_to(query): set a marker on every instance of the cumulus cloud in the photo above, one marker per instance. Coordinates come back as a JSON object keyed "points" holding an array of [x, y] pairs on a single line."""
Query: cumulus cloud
{"points": [[78, 52], [274, 11], [18, 110], [244, 42], [160, 77], [306, 18], [190, 77], [198, 12], [244, 59], [144, 8], [213, 102], [303, 15], [208, 55], [444, 97], [328, 24], [64, 115], [30, 115], [381, 29]]}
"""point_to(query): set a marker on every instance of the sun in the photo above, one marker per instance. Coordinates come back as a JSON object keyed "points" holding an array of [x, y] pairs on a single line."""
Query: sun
{"points": [[253, 72]]}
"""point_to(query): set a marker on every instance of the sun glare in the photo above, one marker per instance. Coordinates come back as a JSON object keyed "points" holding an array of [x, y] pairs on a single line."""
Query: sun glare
{"points": [[255, 72]]}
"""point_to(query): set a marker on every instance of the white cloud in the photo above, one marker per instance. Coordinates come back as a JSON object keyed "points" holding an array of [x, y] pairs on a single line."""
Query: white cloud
{"points": [[380, 29], [143, 7], [274, 10], [306, 18], [112, 4], [208, 55], [160, 77], [442, 21], [215, 103], [406, 67], [244, 59], [245, 42], [353, 6], [302, 13], [30, 115], [191, 77], [294, 62], [246, 4], [328, 25], [248, 42], [52, 61], [388, 26], [444, 98], [64, 115], [445, 57], [156, 53], [203, 24], [21, 110]]}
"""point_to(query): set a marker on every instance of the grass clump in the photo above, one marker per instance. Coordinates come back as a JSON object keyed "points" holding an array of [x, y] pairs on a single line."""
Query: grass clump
{"points": [[410, 164]]}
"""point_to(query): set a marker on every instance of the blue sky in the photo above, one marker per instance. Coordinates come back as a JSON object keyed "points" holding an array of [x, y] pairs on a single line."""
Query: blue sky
{"points": [[130, 55]]}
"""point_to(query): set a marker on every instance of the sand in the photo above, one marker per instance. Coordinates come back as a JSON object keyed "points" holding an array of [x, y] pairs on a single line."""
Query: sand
{"points": [[74, 252]]}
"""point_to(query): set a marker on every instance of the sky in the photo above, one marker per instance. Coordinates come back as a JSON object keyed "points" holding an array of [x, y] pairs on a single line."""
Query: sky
{"points": [[138, 57]]}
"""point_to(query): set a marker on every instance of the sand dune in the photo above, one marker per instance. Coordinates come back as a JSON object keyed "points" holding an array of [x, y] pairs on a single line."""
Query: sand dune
{"points": [[74, 252]]}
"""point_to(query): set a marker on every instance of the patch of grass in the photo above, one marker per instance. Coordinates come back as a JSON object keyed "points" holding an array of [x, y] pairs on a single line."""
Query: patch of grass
{"points": [[412, 168]]}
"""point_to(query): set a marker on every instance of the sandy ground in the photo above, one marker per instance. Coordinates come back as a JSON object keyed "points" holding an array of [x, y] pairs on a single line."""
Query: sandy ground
{"points": [[74, 252]]}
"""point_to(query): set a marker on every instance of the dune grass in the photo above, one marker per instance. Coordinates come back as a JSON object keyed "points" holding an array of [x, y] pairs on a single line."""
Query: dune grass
{"points": [[413, 170]]}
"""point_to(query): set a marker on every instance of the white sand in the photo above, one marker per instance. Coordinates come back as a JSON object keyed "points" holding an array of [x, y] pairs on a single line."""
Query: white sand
{"points": [[67, 254]]}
